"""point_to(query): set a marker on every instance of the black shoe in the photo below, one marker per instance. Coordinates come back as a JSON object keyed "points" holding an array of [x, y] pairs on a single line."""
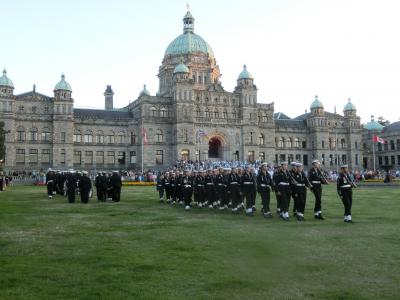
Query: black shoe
{"points": [[319, 217]]}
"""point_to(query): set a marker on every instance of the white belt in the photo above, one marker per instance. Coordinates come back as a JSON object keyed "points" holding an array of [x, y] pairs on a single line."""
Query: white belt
{"points": [[247, 183], [200, 185], [220, 184], [234, 182], [316, 181], [263, 185], [346, 186], [50, 181], [283, 183], [300, 184], [187, 186], [210, 183]]}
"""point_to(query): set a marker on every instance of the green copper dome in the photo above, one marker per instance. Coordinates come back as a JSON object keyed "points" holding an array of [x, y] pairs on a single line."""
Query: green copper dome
{"points": [[349, 106], [62, 85], [5, 81], [181, 68], [373, 125], [144, 92], [188, 42], [316, 104], [245, 74]]}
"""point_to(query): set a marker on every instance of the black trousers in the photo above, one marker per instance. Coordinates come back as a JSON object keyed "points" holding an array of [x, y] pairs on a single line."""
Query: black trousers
{"points": [[116, 194], [224, 197], [161, 193], [201, 194], [265, 198], [284, 197], [300, 200], [248, 193], [84, 196], [317, 190], [168, 192], [347, 199], [71, 196], [50, 188], [235, 195], [210, 194], [187, 195]]}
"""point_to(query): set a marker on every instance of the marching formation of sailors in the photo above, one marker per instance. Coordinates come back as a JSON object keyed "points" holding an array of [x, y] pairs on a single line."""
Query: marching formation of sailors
{"points": [[236, 189], [71, 183]]}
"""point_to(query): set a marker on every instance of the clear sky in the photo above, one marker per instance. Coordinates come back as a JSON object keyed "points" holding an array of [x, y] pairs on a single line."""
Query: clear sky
{"points": [[294, 49]]}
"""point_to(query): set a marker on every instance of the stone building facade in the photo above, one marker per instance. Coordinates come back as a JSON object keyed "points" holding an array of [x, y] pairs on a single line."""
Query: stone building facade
{"points": [[191, 117]]}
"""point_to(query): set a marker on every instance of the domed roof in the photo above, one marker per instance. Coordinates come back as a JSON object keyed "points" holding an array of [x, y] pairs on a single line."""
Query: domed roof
{"points": [[5, 81], [316, 103], [245, 74], [181, 68], [349, 106], [373, 125], [62, 85], [188, 42], [144, 92]]}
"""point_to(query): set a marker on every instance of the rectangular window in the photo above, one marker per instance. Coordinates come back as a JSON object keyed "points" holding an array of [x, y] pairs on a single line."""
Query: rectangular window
{"points": [[282, 157], [323, 159], [386, 147], [298, 157], [330, 159], [99, 158], [21, 136], [88, 157], [250, 156], [398, 144], [45, 156], [356, 160], [392, 160], [77, 138], [77, 158], [356, 145], [159, 157], [62, 156], [290, 158], [63, 137], [304, 144], [88, 138], [392, 145], [111, 158], [46, 136], [34, 136], [386, 160], [323, 144], [262, 156], [110, 139], [33, 156], [344, 159], [121, 158], [398, 160], [380, 160], [100, 139], [132, 156], [20, 156]]}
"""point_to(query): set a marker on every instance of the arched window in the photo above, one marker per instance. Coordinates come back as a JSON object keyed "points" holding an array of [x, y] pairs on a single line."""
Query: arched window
{"points": [[159, 136], [33, 134], [133, 138], [234, 115], [121, 137], [225, 114], [208, 115], [198, 112], [77, 138], [261, 140], [342, 143], [164, 112], [281, 142], [216, 113], [100, 137], [88, 137], [153, 111], [46, 135], [20, 134], [110, 138]]}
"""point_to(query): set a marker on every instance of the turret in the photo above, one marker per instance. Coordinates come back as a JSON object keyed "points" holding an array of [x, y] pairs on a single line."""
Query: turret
{"points": [[6, 85], [316, 107], [108, 98], [62, 90]]}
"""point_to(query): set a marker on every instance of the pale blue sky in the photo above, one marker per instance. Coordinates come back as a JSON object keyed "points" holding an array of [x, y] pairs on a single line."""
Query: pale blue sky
{"points": [[294, 48]]}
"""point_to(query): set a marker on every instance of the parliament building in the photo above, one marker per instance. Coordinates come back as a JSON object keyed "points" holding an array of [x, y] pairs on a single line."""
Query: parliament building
{"points": [[191, 117]]}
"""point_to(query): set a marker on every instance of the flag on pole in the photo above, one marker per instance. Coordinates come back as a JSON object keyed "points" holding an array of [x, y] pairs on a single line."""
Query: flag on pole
{"points": [[377, 139], [144, 136]]}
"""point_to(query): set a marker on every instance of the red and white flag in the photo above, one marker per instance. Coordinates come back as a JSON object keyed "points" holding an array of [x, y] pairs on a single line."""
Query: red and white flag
{"points": [[144, 136], [377, 139]]}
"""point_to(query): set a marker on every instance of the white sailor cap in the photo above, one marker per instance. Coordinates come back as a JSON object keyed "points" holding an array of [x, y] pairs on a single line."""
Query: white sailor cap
{"points": [[284, 163], [115, 171], [344, 166], [299, 164], [315, 161], [85, 172], [293, 163], [227, 169]]}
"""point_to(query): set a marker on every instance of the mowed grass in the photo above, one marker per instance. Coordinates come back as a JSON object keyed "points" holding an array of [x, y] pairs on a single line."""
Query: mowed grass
{"points": [[141, 249]]}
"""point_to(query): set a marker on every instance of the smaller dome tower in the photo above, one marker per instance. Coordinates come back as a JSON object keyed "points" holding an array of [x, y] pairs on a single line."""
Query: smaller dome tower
{"points": [[316, 107], [349, 109], [6, 85], [62, 90]]}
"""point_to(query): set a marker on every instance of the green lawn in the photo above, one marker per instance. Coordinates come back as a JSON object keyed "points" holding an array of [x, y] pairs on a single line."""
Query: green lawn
{"points": [[140, 249]]}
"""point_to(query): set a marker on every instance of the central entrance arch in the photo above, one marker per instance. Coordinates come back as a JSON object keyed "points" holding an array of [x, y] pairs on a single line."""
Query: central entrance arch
{"points": [[214, 148]]}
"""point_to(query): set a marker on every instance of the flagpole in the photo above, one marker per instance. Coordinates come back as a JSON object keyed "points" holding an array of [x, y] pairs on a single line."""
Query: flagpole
{"points": [[373, 153], [142, 147]]}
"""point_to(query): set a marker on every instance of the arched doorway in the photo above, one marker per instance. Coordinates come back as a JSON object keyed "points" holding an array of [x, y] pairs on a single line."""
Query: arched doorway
{"points": [[214, 148]]}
